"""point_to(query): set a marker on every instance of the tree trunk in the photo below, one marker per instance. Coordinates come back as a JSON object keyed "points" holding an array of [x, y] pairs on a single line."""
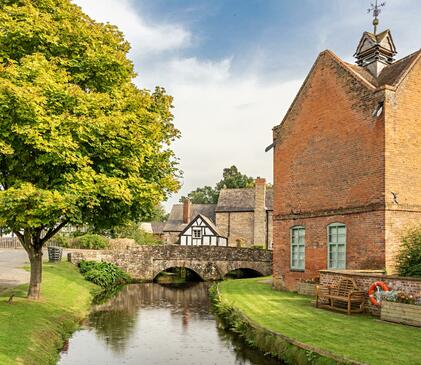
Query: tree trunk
{"points": [[35, 258], [33, 246]]}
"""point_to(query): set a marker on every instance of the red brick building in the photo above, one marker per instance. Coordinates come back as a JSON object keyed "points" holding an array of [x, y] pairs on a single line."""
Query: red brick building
{"points": [[347, 163]]}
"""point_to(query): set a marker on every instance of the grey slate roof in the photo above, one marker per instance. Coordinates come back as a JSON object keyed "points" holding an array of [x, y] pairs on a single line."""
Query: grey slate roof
{"points": [[175, 219], [157, 227], [241, 200]]}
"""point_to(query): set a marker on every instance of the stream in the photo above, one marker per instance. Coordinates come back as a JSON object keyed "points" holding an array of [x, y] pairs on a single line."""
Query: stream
{"points": [[154, 324]]}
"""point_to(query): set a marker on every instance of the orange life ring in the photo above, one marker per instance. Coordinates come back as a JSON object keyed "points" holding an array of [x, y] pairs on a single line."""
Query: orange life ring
{"points": [[373, 288]]}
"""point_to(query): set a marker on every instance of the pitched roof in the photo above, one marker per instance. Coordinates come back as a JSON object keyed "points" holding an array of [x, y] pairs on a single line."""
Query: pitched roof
{"points": [[157, 227], [241, 200], [175, 219], [391, 75], [210, 224]]}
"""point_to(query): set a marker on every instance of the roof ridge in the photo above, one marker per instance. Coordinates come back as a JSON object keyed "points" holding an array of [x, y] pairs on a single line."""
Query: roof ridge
{"points": [[416, 56], [405, 58], [348, 67]]}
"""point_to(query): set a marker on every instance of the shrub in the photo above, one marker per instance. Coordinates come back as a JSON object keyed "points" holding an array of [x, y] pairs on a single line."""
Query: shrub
{"points": [[133, 231], [87, 241], [409, 259], [104, 274], [92, 242]]}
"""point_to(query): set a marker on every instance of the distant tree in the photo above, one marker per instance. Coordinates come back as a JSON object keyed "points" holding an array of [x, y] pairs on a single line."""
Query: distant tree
{"points": [[158, 214], [204, 195], [79, 142], [231, 179], [234, 179]]}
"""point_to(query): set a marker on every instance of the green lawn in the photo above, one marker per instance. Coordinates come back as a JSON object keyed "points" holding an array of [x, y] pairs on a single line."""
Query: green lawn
{"points": [[32, 332], [358, 337]]}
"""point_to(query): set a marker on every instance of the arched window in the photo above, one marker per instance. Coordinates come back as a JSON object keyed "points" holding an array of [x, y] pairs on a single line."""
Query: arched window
{"points": [[336, 240], [298, 248]]}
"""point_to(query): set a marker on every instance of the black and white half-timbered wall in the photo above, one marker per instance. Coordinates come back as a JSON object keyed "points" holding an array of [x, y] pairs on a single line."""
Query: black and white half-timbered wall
{"points": [[201, 232]]}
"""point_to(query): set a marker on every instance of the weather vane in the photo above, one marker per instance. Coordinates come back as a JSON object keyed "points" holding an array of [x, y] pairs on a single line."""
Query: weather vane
{"points": [[376, 10]]}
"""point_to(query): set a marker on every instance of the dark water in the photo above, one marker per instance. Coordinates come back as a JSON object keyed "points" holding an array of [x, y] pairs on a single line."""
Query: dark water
{"points": [[151, 324]]}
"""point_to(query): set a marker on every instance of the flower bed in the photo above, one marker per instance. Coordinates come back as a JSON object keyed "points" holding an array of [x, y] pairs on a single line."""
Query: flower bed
{"points": [[401, 313], [400, 307]]}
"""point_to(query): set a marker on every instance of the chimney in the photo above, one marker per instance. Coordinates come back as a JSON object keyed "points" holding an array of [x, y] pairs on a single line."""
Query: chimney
{"points": [[260, 212], [186, 210]]}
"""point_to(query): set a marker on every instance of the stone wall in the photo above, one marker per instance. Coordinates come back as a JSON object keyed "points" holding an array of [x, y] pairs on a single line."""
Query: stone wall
{"points": [[237, 226], [365, 279], [259, 226], [210, 263]]}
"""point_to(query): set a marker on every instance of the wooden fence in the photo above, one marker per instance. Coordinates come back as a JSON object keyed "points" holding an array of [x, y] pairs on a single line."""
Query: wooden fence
{"points": [[13, 242]]}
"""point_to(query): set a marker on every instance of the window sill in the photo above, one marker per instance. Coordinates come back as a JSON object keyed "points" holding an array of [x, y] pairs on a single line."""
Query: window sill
{"points": [[297, 270]]}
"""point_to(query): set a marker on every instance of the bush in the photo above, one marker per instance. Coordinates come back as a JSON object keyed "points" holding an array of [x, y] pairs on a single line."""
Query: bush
{"points": [[409, 259], [133, 231], [92, 242], [104, 274], [87, 241]]}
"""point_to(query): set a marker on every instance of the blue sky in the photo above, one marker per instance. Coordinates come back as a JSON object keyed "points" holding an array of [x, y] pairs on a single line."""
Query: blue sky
{"points": [[234, 66]]}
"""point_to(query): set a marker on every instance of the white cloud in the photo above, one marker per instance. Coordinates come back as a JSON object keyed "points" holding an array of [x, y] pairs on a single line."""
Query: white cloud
{"points": [[144, 37], [224, 119]]}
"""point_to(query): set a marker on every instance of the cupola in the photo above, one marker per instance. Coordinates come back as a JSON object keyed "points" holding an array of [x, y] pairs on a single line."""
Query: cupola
{"points": [[375, 51]]}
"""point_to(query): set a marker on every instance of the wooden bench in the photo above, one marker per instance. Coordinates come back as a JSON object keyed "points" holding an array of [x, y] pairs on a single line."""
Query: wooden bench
{"points": [[344, 297]]}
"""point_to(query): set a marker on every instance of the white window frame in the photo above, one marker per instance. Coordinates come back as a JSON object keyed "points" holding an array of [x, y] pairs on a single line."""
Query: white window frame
{"points": [[195, 231], [337, 244], [301, 264]]}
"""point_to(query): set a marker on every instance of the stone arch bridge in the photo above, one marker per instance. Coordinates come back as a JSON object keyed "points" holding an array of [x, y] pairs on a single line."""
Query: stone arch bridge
{"points": [[210, 263]]}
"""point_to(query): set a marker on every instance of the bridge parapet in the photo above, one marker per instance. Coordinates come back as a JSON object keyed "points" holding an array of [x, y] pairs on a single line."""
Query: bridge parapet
{"points": [[211, 263]]}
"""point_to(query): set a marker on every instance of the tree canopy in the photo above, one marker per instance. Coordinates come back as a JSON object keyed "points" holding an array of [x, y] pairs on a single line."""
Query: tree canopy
{"points": [[231, 179], [79, 142]]}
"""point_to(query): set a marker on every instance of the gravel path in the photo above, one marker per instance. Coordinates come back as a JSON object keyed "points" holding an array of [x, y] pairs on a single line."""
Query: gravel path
{"points": [[11, 268]]}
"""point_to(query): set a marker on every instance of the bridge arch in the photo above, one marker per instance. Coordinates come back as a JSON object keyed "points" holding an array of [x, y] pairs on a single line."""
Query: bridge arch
{"points": [[251, 267], [195, 275], [243, 272]]}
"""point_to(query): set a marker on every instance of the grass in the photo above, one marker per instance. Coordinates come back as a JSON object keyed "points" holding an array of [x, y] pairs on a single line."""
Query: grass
{"points": [[358, 337], [31, 332]]}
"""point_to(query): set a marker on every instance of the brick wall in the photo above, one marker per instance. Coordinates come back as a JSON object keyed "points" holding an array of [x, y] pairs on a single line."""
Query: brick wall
{"points": [[365, 279], [329, 151], [329, 167], [403, 160], [364, 246]]}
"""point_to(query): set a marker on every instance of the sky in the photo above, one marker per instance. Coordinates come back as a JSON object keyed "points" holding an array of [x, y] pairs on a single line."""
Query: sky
{"points": [[234, 66]]}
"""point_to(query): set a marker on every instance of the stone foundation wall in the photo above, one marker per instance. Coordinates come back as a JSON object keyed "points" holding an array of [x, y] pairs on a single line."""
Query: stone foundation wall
{"points": [[364, 279]]}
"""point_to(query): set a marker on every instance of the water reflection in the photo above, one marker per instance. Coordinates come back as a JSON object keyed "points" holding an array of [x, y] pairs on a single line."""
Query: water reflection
{"points": [[157, 324]]}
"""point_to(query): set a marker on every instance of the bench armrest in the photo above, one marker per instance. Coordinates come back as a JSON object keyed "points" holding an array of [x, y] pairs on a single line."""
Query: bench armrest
{"points": [[323, 290]]}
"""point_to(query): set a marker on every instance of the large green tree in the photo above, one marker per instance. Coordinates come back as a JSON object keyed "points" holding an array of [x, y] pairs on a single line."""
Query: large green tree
{"points": [[232, 178], [79, 142]]}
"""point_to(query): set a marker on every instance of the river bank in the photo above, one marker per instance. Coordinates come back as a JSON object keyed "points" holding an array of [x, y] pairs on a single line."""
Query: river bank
{"points": [[287, 326], [32, 333]]}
